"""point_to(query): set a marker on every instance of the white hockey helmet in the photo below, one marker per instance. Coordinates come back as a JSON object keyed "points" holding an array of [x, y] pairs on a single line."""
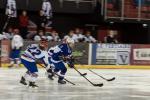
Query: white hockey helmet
{"points": [[70, 42]]}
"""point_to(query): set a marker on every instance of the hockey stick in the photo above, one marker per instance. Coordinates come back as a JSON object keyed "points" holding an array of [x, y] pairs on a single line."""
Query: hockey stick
{"points": [[99, 75], [82, 74], [72, 60], [54, 73], [59, 75], [111, 79], [100, 84]]}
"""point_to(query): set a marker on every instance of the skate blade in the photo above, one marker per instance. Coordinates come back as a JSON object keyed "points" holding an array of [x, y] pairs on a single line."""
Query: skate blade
{"points": [[23, 83]]}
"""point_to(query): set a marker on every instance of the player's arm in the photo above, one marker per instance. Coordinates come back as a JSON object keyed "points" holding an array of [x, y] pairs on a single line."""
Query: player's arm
{"points": [[67, 57], [69, 60]]}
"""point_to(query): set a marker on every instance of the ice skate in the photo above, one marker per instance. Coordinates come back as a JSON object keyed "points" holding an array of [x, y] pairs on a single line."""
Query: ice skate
{"points": [[61, 82], [23, 81], [33, 85]]}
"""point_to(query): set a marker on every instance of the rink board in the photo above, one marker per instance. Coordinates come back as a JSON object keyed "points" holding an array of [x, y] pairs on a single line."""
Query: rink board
{"points": [[101, 66]]}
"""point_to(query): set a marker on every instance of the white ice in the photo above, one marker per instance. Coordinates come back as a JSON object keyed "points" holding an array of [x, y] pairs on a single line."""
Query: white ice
{"points": [[129, 85]]}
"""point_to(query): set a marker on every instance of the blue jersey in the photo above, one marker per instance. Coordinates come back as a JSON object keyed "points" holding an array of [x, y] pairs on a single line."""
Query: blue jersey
{"points": [[60, 50], [51, 50], [33, 52]]}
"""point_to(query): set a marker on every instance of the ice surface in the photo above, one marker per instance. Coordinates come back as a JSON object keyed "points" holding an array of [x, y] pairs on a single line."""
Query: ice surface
{"points": [[129, 85]]}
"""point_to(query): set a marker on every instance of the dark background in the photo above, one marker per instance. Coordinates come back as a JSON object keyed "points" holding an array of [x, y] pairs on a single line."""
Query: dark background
{"points": [[69, 16]]}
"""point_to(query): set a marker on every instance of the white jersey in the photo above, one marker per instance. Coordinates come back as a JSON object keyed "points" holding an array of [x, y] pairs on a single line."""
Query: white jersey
{"points": [[33, 53], [17, 42], [38, 38], [2, 37], [47, 8], [90, 39], [11, 8], [79, 37], [7, 35], [74, 37]]}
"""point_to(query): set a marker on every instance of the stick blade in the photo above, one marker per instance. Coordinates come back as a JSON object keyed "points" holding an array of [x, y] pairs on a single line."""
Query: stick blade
{"points": [[99, 85], [111, 79], [84, 74]]}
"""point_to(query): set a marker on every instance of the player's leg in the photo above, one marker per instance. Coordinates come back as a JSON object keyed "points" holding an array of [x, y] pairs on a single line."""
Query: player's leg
{"points": [[32, 82], [63, 70], [17, 57], [34, 74], [50, 70], [18, 62], [12, 58], [26, 77], [31, 75], [54, 69]]}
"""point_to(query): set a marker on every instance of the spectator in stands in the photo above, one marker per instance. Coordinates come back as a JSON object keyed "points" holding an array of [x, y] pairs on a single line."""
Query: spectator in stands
{"points": [[72, 35], [41, 21], [55, 36], [79, 35], [89, 38], [110, 38], [49, 37], [40, 35], [31, 35], [23, 22], [2, 37], [8, 34]]}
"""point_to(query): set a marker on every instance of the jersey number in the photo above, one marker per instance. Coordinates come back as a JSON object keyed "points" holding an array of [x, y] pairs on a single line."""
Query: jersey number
{"points": [[34, 51]]}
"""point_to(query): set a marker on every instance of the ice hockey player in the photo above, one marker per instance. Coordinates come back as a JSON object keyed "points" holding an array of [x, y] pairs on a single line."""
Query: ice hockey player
{"points": [[28, 58], [16, 45], [60, 54], [50, 68]]}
